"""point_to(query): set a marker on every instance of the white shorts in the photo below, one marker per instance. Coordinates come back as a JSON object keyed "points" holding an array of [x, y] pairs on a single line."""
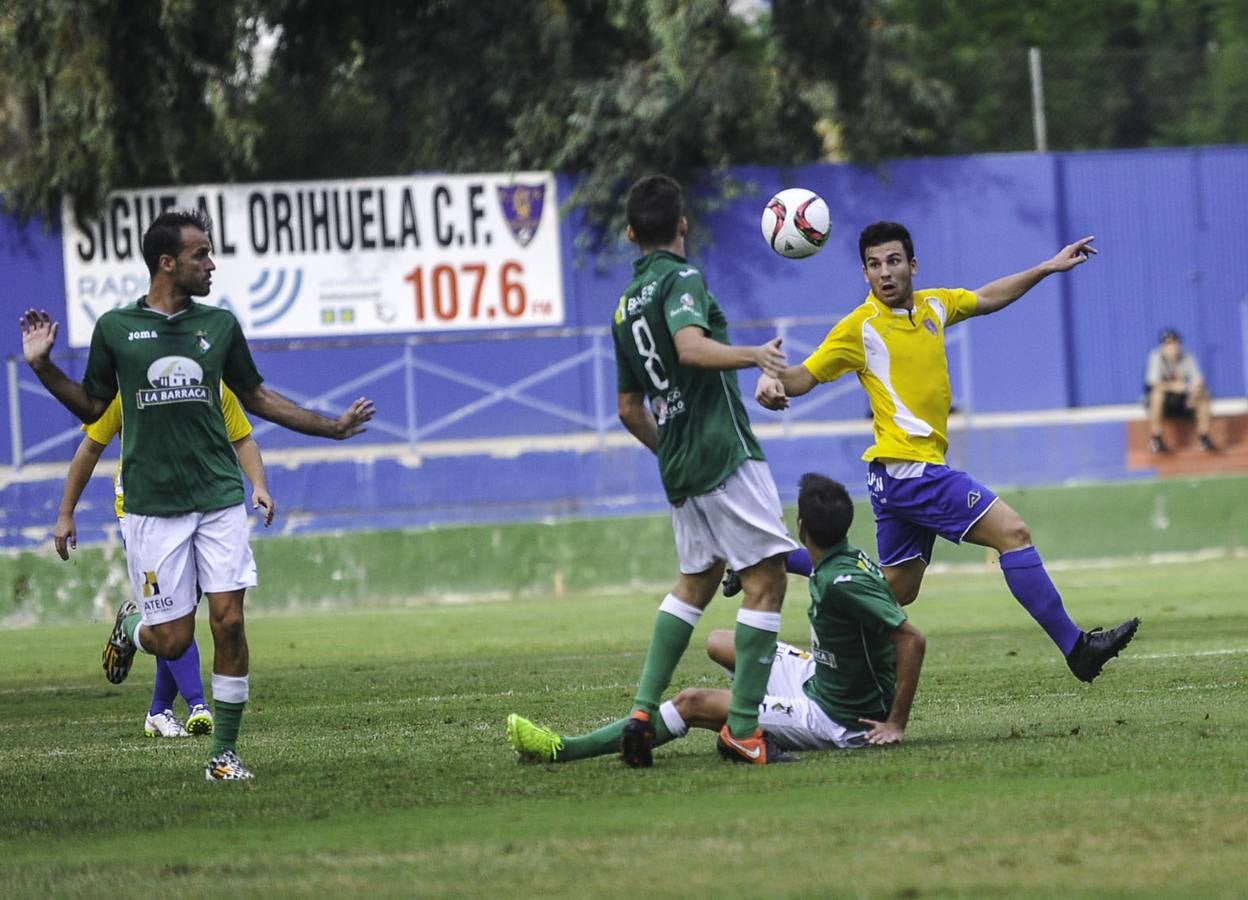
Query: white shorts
{"points": [[792, 718], [169, 555], [741, 522]]}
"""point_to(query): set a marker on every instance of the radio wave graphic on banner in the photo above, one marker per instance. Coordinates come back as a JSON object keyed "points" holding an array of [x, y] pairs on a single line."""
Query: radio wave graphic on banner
{"points": [[269, 297]]}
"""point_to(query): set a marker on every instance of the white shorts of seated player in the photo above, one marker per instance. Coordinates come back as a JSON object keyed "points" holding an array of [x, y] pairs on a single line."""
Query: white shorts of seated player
{"points": [[795, 720]]}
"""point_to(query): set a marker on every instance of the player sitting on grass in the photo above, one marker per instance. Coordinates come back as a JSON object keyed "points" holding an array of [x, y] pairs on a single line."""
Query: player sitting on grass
{"points": [[853, 688]]}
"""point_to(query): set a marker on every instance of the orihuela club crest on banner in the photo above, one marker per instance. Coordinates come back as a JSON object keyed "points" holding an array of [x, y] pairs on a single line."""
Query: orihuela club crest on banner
{"points": [[522, 208]]}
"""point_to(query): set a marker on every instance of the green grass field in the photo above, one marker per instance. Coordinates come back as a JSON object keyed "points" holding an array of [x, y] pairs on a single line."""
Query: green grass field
{"points": [[382, 770]]}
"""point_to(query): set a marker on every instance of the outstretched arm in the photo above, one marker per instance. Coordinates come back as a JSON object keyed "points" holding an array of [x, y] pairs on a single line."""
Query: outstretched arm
{"points": [[774, 393], [269, 404], [1001, 293], [910, 645], [81, 467], [695, 348], [252, 464], [38, 336], [638, 419]]}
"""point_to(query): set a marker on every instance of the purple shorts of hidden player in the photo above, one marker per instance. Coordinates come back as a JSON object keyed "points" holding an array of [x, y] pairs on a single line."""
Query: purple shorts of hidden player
{"points": [[914, 502]]}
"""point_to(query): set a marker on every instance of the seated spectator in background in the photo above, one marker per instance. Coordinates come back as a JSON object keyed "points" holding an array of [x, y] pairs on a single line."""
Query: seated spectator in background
{"points": [[1176, 389]]}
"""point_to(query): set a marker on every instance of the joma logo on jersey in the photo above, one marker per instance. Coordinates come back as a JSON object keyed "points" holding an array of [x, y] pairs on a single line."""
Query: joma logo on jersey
{"points": [[144, 335]]}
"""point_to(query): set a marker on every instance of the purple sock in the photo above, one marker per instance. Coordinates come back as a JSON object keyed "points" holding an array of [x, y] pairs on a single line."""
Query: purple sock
{"points": [[1031, 586], [798, 562], [185, 671], [166, 688]]}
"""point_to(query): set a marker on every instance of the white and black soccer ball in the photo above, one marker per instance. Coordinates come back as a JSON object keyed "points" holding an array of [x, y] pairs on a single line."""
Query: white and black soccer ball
{"points": [[796, 223]]}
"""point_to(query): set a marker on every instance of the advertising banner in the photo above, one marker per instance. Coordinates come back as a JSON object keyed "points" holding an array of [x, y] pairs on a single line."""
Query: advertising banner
{"points": [[339, 258]]}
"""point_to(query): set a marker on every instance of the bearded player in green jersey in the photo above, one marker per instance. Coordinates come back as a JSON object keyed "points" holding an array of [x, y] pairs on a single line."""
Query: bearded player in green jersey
{"points": [[185, 523], [853, 688], [678, 395]]}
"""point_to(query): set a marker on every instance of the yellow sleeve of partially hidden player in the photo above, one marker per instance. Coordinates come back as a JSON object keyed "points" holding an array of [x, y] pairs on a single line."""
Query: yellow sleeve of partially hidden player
{"points": [[841, 351], [106, 427], [102, 431], [237, 426]]}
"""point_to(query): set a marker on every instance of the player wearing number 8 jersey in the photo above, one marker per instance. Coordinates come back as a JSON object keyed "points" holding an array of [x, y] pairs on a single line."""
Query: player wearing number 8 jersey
{"points": [[703, 432], [678, 395]]}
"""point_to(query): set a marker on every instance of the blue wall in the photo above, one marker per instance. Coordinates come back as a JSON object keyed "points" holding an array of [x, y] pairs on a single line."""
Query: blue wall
{"points": [[1168, 222], [1172, 224]]}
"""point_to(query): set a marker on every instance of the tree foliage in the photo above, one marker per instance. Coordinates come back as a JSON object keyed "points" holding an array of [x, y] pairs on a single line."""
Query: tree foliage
{"points": [[609, 90], [859, 75], [98, 99], [103, 94], [1119, 73]]}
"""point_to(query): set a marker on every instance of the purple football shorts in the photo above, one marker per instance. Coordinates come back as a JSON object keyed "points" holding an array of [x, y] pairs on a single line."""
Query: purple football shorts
{"points": [[914, 502]]}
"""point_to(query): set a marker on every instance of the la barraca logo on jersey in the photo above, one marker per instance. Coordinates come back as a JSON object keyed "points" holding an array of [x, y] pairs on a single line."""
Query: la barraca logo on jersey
{"points": [[174, 379]]}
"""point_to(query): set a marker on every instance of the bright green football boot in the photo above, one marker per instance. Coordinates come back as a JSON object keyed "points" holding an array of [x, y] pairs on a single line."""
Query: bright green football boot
{"points": [[532, 742]]}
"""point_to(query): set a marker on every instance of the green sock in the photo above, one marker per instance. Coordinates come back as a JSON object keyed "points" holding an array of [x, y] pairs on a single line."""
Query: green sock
{"points": [[756, 650], [130, 624], [605, 740], [227, 719], [667, 645]]}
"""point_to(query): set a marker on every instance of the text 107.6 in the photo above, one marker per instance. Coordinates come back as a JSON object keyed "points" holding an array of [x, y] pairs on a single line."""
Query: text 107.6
{"points": [[467, 292]]}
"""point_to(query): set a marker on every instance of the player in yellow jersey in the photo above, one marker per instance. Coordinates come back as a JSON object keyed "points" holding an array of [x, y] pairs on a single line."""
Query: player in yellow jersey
{"points": [[181, 675], [895, 344]]}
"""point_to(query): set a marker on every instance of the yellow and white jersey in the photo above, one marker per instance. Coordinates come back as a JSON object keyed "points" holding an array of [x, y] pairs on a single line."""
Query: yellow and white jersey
{"points": [[108, 426], [899, 357]]}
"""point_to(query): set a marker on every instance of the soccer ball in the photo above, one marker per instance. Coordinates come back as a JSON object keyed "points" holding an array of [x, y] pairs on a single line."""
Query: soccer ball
{"points": [[796, 223]]}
